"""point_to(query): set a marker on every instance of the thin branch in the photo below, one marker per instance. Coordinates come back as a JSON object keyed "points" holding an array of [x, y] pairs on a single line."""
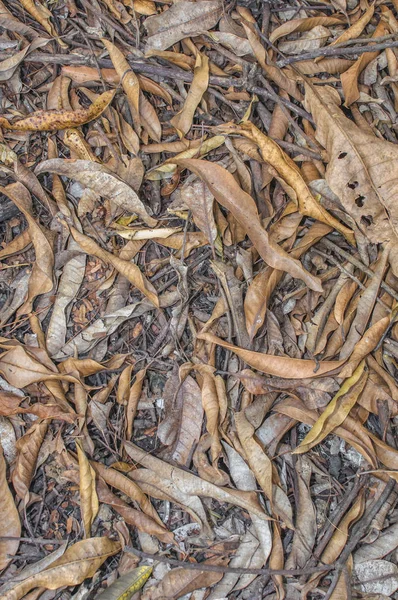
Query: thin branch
{"points": [[336, 51], [220, 569]]}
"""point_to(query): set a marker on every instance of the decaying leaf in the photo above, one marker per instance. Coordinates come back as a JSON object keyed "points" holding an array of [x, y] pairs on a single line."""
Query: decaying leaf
{"points": [[52, 120], [127, 585], [183, 120], [88, 495]]}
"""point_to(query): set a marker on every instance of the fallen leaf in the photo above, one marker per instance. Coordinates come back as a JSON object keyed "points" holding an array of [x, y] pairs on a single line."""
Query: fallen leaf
{"points": [[53, 120], [180, 21], [281, 366], [28, 447], [228, 193], [10, 527], [89, 504], [183, 120], [128, 584], [100, 180], [80, 561]]}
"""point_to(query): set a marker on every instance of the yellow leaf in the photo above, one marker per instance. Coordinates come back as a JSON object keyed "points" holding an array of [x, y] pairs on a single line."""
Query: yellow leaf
{"points": [[337, 409], [128, 584]]}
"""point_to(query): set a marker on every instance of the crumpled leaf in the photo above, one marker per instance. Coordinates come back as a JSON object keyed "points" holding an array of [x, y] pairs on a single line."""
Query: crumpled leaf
{"points": [[100, 180], [80, 561], [53, 120], [181, 20], [228, 193], [377, 577], [10, 525], [359, 168], [183, 120], [128, 584]]}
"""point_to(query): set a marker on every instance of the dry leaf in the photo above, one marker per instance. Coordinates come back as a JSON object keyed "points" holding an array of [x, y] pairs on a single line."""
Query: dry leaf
{"points": [[183, 120], [180, 21], [228, 193], [89, 504], [80, 561], [101, 180], [28, 448], [10, 525], [53, 120]]}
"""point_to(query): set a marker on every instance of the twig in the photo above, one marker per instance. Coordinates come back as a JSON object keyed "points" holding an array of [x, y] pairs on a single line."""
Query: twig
{"points": [[336, 51], [357, 533], [357, 263], [30, 540], [220, 569]]}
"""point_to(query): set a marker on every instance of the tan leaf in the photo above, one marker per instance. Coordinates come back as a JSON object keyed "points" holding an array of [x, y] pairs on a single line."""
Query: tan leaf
{"points": [[261, 466], [128, 79], [101, 180], [281, 366], [132, 403], [128, 487], [28, 448], [190, 484], [89, 504], [42, 15], [128, 269], [53, 120], [149, 119], [355, 30], [290, 173], [183, 120], [179, 582], [349, 79], [300, 25], [199, 200], [180, 21], [132, 516], [360, 166], [228, 193], [79, 562], [10, 525], [41, 279]]}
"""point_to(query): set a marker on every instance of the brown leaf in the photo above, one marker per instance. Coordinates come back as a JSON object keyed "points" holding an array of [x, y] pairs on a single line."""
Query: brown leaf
{"points": [[128, 269], [133, 517], [79, 562], [290, 173], [132, 403], [180, 21], [53, 120], [89, 504], [183, 120], [300, 25], [10, 525], [228, 193], [128, 487], [41, 279], [28, 448], [179, 582], [281, 366], [128, 79]]}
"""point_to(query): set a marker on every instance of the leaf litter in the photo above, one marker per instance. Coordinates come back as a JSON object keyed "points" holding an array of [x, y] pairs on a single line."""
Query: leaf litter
{"points": [[198, 299]]}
